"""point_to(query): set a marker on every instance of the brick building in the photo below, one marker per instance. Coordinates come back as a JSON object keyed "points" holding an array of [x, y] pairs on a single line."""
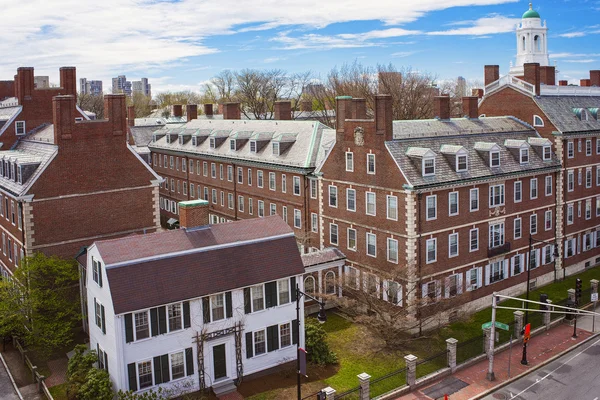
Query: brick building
{"points": [[66, 181]]}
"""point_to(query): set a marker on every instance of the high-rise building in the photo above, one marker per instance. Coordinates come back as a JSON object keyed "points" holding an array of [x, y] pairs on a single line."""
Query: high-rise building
{"points": [[120, 84], [142, 86], [90, 87], [41, 82]]}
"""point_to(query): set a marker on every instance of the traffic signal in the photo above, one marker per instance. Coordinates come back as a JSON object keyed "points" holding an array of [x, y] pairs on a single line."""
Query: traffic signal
{"points": [[543, 299], [578, 284]]}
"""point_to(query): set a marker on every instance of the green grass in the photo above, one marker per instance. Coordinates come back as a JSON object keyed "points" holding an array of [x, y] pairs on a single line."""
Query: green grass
{"points": [[59, 392]]}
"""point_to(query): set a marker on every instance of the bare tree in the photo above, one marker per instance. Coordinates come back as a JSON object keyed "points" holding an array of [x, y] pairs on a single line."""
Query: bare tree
{"points": [[142, 104], [220, 87], [92, 103], [456, 89]]}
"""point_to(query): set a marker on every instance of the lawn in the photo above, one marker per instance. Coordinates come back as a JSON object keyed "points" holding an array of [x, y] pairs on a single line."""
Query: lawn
{"points": [[59, 392]]}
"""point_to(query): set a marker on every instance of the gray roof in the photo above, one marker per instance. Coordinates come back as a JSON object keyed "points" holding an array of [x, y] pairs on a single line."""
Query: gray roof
{"points": [[142, 135], [559, 110], [304, 152], [456, 126], [38, 153]]}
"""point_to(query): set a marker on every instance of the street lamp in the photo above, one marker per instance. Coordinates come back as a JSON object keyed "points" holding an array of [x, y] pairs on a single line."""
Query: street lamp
{"points": [[321, 317], [531, 240]]}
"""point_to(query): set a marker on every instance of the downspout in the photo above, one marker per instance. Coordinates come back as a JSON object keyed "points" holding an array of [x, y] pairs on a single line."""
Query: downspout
{"points": [[235, 196], [420, 285], [306, 229]]}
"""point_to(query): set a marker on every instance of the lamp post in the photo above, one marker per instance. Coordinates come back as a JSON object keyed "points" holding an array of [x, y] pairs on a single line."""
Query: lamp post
{"points": [[531, 240], [321, 317]]}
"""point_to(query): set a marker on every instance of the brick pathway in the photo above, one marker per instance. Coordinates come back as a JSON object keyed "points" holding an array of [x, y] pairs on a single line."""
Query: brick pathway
{"points": [[58, 368], [540, 348], [232, 396]]}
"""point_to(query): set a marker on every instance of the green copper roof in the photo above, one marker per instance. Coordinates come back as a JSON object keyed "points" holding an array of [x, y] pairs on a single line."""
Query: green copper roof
{"points": [[192, 203], [531, 13]]}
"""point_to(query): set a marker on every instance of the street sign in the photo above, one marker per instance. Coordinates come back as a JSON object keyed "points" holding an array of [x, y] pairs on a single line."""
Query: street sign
{"points": [[486, 325], [498, 325], [594, 296]]}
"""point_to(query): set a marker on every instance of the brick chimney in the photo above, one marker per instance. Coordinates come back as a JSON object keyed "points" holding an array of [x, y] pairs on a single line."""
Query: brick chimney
{"points": [[306, 105], [193, 213], [441, 107], [343, 112], [177, 110], [359, 109], [532, 75], [63, 118], [283, 110], [585, 82], [383, 116], [477, 92], [68, 80], [131, 115], [548, 75], [595, 77], [231, 111], [563, 83], [208, 110], [470, 106], [491, 73], [115, 112], [191, 112], [24, 83]]}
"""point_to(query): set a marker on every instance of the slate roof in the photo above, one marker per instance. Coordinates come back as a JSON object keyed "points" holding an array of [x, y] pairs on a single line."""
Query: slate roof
{"points": [[559, 110], [27, 151], [142, 135], [456, 126], [193, 263], [326, 255]]}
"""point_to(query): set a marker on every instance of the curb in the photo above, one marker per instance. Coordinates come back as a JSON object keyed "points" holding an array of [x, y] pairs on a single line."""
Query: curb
{"points": [[11, 377], [522, 374]]}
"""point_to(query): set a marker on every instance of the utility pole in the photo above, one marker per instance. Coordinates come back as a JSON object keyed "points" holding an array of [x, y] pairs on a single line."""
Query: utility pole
{"points": [[490, 375]]}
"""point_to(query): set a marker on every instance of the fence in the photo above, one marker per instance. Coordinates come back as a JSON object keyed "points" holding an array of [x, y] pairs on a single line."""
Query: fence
{"points": [[433, 363], [35, 375], [469, 349], [387, 382], [352, 394]]}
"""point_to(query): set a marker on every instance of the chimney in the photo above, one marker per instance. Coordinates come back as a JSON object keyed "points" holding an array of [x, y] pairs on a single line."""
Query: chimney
{"points": [[63, 108], [359, 109], [231, 111], [208, 110], [306, 105], [283, 110], [477, 92], [383, 116], [585, 82], [191, 111], [563, 83], [595, 77], [548, 75], [193, 213], [343, 105], [68, 80], [441, 107], [131, 115], [25, 82], [115, 112], [491, 73], [177, 110], [532, 75], [470, 106]]}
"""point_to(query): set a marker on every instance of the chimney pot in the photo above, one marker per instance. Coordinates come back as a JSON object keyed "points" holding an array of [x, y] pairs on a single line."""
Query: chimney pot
{"points": [[283, 110], [115, 111], [470, 106], [595, 77], [343, 111], [68, 80], [191, 112], [208, 109], [383, 116], [177, 110], [442, 107], [491, 73], [532, 75], [585, 82], [231, 111], [563, 83]]}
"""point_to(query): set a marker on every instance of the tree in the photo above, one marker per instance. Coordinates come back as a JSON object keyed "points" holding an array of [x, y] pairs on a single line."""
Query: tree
{"points": [[97, 386], [159, 394], [93, 103], [316, 343], [78, 367], [457, 89], [142, 104]]}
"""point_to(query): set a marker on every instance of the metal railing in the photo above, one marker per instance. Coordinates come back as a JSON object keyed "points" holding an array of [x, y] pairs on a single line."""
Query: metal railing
{"points": [[387, 382], [469, 349], [36, 376], [352, 394]]}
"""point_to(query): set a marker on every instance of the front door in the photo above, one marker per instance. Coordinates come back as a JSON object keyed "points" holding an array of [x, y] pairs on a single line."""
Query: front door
{"points": [[219, 363]]}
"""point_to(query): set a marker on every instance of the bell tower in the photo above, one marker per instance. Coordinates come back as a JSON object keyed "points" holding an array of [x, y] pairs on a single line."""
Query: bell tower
{"points": [[532, 44]]}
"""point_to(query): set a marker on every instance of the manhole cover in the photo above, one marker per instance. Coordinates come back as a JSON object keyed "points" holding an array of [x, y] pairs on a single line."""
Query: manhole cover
{"points": [[499, 396]]}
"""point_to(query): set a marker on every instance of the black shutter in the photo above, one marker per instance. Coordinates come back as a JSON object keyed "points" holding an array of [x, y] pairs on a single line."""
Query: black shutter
{"points": [[186, 314], [98, 353], [249, 346], [154, 321], [206, 310], [128, 328], [157, 371], [132, 377], [228, 305], [247, 301], [164, 361], [99, 273], [189, 361], [162, 319], [295, 329], [106, 362], [103, 319], [272, 338], [271, 294], [293, 288]]}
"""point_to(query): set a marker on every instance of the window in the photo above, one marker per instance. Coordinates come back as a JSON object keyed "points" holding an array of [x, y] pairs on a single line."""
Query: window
{"points": [[587, 241], [213, 170], [588, 147], [253, 146], [430, 290], [145, 374], [217, 307], [259, 179], [570, 180], [332, 196], [453, 245], [579, 177], [98, 309], [184, 187], [142, 328], [453, 203], [533, 188], [351, 239], [546, 153], [570, 214], [261, 208], [297, 219], [275, 148], [249, 177], [494, 159], [428, 166], [175, 317], [533, 224], [258, 298], [518, 191], [548, 220], [192, 190], [314, 222], [241, 203], [474, 239], [392, 250], [250, 206], [598, 174], [431, 246], [472, 276], [517, 264], [177, 368], [496, 234], [283, 183], [349, 162], [538, 121], [371, 164], [172, 185], [548, 256], [496, 195], [183, 162], [214, 196], [462, 163], [588, 209], [296, 180], [309, 285], [393, 292], [524, 156], [570, 248], [579, 145], [570, 149], [333, 234], [497, 271], [222, 199], [221, 173], [20, 127], [240, 175], [370, 200], [431, 202], [212, 143], [350, 199], [285, 213], [371, 245], [588, 178], [392, 207], [230, 201], [517, 228], [285, 336], [548, 185], [597, 145], [259, 343], [97, 272], [313, 188], [474, 199], [272, 183]]}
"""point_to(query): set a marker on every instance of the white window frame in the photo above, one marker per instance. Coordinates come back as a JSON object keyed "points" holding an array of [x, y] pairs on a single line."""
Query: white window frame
{"points": [[520, 224], [349, 161], [296, 183], [272, 181], [538, 121], [452, 237], [427, 208], [546, 153], [351, 193], [492, 195], [348, 246], [570, 149], [474, 196], [20, 128], [394, 243], [533, 186], [533, 223], [458, 163], [518, 184], [474, 231], [570, 214], [314, 219], [588, 147], [492, 153], [433, 242], [367, 195], [524, 155], [334, 227], [450, 201], [501, 233], [548, 218], [392, 212], [368, 237], [570, 180], [333, 196], [548, 185], [260, 179], [297, 218], [370, 157], [425, 166]]}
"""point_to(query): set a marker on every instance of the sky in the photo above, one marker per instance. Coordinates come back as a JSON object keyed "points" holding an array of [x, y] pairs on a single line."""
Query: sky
{"points": [[181, 44]]}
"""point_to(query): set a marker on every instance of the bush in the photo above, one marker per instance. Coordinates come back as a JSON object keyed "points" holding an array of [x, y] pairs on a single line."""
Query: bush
{"points": [[159, 394], [97, 386], [316, 344], [78, 368]]}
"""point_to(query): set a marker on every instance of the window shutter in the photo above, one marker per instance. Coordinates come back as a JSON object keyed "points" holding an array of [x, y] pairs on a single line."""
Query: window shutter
{"points": [[438, 289], [132, 377], [157, 371], [273, 338], [164, 363], [95, 310], [154, 321], [249, 347], [537, 257], [271, 294], [295, 331], [512, 265], [505, 268], [247, 304], [186, 314], [228, 305], [447, 287], [106, 361], [293, 288], [99, 273], [103, 319], [128, 328], [189, 361], [98, 353], [479, 273], [206, 310], [423, 290], [459, 284], [487, 275], [162, 319], [522, 262]]}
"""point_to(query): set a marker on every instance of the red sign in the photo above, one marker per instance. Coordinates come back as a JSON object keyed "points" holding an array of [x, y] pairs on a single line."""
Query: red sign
{"points": [[527, 334]]}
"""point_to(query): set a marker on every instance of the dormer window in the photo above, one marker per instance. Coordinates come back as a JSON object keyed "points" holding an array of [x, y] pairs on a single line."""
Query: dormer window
{"points": [[428, 166], [180, 139], [494, 159], [194, 141], [19, 175], [13, 173], [212, 143], [1, 168], [253, 146], [275, 148], [20, 127], [232, 144], [462, 163], [168, 137], [524, 156], [547, 153], [538, 121]]}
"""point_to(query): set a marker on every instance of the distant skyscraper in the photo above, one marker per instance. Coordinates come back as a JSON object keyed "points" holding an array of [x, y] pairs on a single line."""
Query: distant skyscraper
{"points": [[461, 86], [142, 86], [90, 87], [41, 82], [120, 84]]}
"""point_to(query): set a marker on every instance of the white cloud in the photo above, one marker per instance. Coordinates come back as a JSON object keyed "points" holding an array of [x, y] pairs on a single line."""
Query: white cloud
{"points": [[403, 53], [571, 35], [582, 61], [489, 25]]}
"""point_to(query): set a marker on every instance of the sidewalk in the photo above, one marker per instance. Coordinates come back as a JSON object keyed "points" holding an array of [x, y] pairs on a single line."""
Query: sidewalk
{"points": [[540, 349]]}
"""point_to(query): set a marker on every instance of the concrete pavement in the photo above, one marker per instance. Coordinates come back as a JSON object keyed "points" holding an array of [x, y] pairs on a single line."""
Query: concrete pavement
{"points": [[7, 386]]}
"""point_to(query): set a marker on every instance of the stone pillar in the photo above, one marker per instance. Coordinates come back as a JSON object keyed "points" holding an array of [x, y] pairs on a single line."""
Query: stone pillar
{"points": [[411, 369], [451, 346], [487, 332], [571, 294], [329, 393], [547, 314], [594, 285], [518, 323], [363, 379]]}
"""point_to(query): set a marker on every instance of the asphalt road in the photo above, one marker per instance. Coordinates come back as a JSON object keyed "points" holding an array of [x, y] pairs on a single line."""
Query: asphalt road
{"points": [[7, 390]]}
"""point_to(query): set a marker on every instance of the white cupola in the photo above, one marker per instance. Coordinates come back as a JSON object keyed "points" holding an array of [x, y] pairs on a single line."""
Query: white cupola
{"points": [[532, 44]]}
